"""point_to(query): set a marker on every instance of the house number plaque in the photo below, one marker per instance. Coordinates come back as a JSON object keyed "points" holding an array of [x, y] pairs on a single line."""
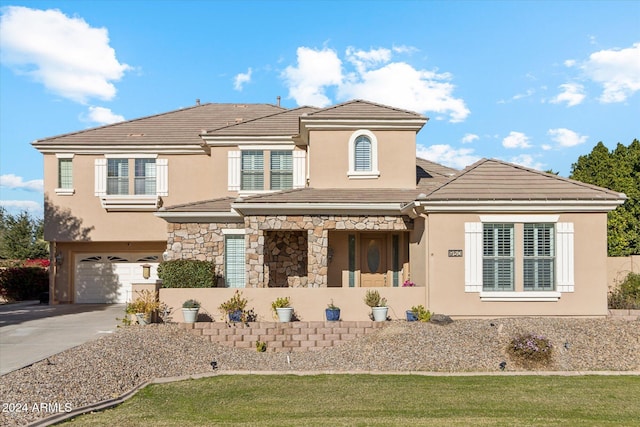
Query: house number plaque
{"points": [[455, 253]]}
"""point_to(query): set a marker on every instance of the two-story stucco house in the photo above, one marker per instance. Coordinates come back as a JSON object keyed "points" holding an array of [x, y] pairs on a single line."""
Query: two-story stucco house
{"points": [[325, 202]]}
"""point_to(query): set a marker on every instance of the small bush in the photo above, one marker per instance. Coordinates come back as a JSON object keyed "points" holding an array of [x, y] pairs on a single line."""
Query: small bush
{"points": [[627, 294], [187, 273], [530, 349], [421, 313], [23, 283]]}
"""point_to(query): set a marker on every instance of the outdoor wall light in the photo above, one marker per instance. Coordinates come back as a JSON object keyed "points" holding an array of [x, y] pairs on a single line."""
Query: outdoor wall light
{"points": [[146, 271], [59, 259]]}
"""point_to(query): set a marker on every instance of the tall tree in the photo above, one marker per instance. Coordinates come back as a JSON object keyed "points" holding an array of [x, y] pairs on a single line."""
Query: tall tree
{"points": [[21, 236], [618, 170]]}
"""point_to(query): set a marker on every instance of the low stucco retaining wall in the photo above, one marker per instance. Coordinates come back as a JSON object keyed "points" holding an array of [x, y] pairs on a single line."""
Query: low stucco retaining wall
{"points": [[282, 337]]}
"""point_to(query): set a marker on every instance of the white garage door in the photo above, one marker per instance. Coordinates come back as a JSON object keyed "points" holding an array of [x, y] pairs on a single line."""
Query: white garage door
{"points": [[107, 278]]}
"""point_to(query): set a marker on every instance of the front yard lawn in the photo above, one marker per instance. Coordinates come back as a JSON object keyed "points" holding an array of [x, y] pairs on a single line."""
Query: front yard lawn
{"points": [[381, 400]]}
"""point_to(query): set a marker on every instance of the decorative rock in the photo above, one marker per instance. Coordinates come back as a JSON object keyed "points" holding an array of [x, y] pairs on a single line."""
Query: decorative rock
{"points": [[441, 319]]}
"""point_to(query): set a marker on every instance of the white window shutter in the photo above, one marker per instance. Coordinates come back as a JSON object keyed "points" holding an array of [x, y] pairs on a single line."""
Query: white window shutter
{"points": [[564, 257], [100, 185], [234, 171], [472, 256], [299, 177], [162, 177]]}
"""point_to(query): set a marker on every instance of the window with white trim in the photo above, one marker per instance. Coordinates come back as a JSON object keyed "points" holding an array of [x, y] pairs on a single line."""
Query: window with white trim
{"points": [[529, 257], [65, 174], [539, 257], [145, 176], [117, 176], [497, 257], [252, 171], [234, 266], [363, 155], [281, 170]]}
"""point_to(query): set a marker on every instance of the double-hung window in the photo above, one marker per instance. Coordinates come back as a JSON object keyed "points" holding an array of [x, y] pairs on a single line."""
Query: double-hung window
{"points": [[65, 174], [118, 176], [539, 257], [145, 177], [363, 155], [252, 170], [281, 170], [498, 257]]}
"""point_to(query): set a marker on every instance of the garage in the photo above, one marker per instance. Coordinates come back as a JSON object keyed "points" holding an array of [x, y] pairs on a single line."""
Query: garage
{"points": [[107, 278]]}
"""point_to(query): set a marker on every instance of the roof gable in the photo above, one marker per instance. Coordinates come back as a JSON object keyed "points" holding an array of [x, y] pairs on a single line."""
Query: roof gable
{"points": [[490, 179], [359, 108]]}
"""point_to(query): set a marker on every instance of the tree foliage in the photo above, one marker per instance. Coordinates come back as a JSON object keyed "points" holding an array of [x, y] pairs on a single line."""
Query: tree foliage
{"points": [[618, 170], [21, 236]]}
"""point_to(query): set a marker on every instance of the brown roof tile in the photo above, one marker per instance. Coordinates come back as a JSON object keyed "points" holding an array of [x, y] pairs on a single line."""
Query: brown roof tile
{"points": [[490, 179], [363, 109], [175, 127], [281, 123]]}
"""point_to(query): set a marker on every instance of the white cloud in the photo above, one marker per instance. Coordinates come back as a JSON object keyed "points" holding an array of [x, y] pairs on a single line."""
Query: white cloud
{"points": [[516, 140], [15, 182], [566, 138], [469, 137], [570, 63], [572, 94], [372, 77], [102, 116], [21, 205], [242, 78], [617, 70], [445, 154], [528, 161], [66, 55], [316, 71]]}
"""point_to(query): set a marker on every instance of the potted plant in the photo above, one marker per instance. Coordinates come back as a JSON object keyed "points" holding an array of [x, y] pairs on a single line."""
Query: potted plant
{"points": [[418, 312], [378, 305], [282, 309], [332, 312], [143, 307], [190, 310], [234, 307]]}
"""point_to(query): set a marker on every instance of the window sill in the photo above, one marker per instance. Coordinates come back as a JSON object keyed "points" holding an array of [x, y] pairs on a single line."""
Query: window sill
{"points": [[363, 175], [531, 296], [130, 203], [64, 191]]}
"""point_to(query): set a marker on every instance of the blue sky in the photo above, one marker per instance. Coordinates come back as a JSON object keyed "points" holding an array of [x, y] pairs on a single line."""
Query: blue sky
{"points": [[535, 83]]}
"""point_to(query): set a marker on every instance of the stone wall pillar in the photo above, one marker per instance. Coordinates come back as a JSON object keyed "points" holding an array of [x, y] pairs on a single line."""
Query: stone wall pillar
{"points": [[254, 240], [318, 242]]}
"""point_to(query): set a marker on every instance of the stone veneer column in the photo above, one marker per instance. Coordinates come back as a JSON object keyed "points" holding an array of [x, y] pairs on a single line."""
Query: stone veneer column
{"points": [[318, 243], [254, 251]]}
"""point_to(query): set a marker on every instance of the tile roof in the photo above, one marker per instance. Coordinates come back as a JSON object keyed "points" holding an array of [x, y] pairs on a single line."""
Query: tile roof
{"points": [[222, 204], [490, 179], [281, 123], [337, 195], [175, 127], [363, 109]]}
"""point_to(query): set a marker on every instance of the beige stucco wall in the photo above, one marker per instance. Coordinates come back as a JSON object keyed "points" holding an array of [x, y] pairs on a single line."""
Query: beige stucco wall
{"points": [[329, 160], [446, 275], [309, 304], [619, 267]]}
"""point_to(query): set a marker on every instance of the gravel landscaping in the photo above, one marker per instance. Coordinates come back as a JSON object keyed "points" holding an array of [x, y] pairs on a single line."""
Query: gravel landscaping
{"points": [[112, 365]]}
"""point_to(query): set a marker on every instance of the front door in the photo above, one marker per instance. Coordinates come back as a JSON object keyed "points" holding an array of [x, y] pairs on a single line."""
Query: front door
{"points": [[373, 260]]}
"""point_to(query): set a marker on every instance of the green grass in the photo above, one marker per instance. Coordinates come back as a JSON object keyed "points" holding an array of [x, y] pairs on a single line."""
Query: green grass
{"points": [[381, 400]]}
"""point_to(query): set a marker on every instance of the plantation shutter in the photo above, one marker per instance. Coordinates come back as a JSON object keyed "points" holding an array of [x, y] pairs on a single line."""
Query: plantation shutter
{"points": [[362, 155], [473, 257], [234, 171], [281, 170], [252, 170], [564, 257], [498, 257], [234, 267], [100, 184], [539, 254], [162, 177]]}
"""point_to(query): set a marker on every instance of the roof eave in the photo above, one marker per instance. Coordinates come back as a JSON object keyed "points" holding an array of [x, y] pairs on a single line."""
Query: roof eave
{"points": [[199, 217], [518, 205], [318, 208]]}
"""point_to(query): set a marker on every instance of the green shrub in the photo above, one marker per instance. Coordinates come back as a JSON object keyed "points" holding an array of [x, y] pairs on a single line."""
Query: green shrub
{"points": [[421, 313], [187, 273], [627, 294], [23, 283]]}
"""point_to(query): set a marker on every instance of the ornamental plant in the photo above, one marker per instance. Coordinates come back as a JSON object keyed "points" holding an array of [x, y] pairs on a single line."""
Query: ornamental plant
{"points": [[373, 299], [421, 313], [530, 349], [626, 295], [408, 283]]}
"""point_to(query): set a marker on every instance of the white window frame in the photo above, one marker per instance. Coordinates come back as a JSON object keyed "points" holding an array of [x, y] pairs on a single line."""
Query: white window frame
{"points": [[60, 190], [564, 261], [374, 172], [237, 234]]}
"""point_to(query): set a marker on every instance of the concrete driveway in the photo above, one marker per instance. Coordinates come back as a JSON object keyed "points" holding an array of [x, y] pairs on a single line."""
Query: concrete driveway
{"points": [[30, 332]]}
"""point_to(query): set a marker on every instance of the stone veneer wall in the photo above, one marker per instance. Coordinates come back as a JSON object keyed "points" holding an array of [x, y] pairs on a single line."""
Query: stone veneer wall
{"points": [[283, 337], [286, 258], [206, 241]]}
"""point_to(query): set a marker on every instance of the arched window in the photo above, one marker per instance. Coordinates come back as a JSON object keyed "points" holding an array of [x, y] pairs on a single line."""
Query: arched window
{"points": [[363, 155]]}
